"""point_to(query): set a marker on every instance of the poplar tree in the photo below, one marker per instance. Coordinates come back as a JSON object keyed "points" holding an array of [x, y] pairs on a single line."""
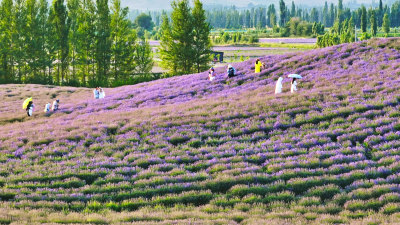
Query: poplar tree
{"points": [[325, 15], [331, 15], [60, 23], [293, 10], [86, 45], [32, 36], [340, 11], [386, 24], [167, 55], [103, 42], [143, 57], [43, 41], [73, 12], [374, 27], [283, 11], [380, 13], [6, 30], [120, 52], [19, 40], [202, 42], [363, 19], [179, 39]]}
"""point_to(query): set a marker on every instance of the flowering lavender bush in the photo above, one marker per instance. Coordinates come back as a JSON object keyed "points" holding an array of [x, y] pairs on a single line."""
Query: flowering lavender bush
{"points": [[228, 151]]}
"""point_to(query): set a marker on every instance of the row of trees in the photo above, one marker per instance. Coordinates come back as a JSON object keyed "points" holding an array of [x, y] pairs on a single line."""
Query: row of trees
{"points": [[78, 42], [280, 15], [297, 27], [234, 38], [185, 39], [343, 31]]}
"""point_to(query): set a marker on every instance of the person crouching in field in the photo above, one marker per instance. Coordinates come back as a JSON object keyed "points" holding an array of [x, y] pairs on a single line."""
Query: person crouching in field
{"points": [[211, 74], [29, 108], [231, 71], [55, 105]]}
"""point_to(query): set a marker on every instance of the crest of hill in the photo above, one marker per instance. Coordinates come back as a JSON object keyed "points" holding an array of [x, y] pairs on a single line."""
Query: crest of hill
{"points": [[331, 71]]}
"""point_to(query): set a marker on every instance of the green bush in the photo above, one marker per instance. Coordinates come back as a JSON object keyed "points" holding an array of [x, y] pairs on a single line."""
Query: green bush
{"points": [[310, 201], [178, 139], [134, 204], [94, 206], [285, 196], [324, 192], [225, 202], [6, 196], [391, 208]]}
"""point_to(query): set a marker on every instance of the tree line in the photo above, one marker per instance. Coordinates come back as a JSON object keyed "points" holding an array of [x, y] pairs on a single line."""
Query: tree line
{"points": [[344, 29], [77, 43], [278, 15]]}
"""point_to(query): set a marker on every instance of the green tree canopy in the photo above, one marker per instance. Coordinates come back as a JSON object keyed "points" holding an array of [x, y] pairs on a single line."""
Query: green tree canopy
{"points": [[386, 23], [144, 21], [185, 44]]}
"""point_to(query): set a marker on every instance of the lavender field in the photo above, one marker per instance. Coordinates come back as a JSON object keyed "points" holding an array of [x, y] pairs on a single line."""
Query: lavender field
{"points": [[183, 150], [289, 40]]}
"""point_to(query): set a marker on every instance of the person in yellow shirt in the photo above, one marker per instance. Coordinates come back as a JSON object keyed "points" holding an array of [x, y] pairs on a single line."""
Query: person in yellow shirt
{"points": [[258, 66]]}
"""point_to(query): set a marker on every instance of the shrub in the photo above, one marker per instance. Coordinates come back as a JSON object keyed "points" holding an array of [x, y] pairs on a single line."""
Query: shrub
{"points": [[195, 143], [300, 185], [221, 185], [178, 139], [356, 215], [42, 142], [96, 219], [311, 216], [324, 192], [391, 208], [310, 201], [95, 206], [6, 196], [244, 207], [223, 201], [113, 206], [134, 204], [285, 196]]}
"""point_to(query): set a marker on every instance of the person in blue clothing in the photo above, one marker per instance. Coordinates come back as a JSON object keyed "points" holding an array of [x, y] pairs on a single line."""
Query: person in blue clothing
{"points": [[56, 104], [231, 71], [96, 93]]}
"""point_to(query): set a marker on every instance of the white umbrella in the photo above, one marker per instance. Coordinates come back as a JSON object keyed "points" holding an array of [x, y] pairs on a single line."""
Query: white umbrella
{"points": [[295, 76]]}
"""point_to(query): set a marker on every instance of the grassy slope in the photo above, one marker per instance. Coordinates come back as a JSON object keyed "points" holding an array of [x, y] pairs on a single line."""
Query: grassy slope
{"points": [[232, 148]]}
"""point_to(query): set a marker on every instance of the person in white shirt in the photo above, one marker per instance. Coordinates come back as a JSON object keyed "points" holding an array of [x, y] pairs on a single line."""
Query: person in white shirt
{"points": [[211, 74], [102, 94], [278, 88], [55, 105], [96, 93], [47, 108], [293, 88]]}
